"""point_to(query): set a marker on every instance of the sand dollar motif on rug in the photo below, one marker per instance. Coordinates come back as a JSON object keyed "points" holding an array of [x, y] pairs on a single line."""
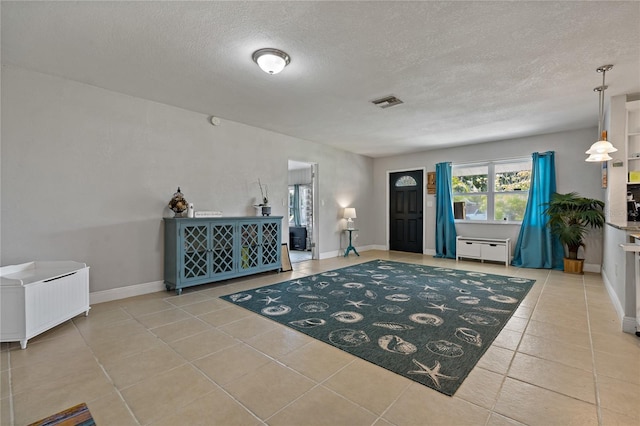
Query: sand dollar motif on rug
{"points": [[428, 324]]}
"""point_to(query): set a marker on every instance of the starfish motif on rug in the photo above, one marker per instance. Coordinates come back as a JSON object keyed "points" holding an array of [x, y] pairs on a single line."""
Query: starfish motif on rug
{"points": [[433, 373], [428, 287], [270, 299], [489, 289], [358, 304], [441, 307], [297, 282]]}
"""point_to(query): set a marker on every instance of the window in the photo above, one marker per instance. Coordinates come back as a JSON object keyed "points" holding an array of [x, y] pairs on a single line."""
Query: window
{"points": [[406, 181], [305, 206], [491, 191]]}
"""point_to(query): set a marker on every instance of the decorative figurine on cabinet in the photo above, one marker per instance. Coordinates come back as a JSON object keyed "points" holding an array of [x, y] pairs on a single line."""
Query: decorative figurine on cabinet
{"points": [[178, 204]]}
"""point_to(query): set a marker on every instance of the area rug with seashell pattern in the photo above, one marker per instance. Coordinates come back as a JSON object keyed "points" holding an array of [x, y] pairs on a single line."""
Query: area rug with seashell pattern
{"points": [[425, 323]]}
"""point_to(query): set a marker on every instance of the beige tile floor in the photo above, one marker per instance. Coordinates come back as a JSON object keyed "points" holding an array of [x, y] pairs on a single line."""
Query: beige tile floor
{"points": [[162, 359]]}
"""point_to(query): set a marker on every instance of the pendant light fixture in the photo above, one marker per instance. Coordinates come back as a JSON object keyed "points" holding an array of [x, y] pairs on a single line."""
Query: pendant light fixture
{"points": [[601, 149], [271, 61]]}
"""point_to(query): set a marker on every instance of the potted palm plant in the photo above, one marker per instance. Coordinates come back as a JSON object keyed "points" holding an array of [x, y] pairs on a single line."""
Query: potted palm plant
{"points": [[570, 217]]}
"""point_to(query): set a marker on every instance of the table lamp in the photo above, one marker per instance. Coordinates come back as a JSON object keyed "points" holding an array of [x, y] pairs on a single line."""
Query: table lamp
{"points": [[350, 214]]}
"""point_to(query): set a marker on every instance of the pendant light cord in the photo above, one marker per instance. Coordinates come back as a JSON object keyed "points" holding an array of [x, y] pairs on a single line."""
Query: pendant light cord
{"points": [[603, 69]]}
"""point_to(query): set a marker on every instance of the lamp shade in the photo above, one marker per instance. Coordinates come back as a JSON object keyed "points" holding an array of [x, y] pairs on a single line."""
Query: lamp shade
{"points": [[601, 147], [350, 213], [271, 61], [598, 157]]}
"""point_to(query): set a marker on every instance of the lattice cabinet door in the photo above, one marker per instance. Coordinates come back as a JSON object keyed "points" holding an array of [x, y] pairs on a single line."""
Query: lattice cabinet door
{"points": [[250, 250], [222, 243], [195, 251], [270, 243]]}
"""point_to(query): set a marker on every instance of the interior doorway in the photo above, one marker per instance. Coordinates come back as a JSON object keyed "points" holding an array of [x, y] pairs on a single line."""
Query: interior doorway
{"points": [[302, 217]]}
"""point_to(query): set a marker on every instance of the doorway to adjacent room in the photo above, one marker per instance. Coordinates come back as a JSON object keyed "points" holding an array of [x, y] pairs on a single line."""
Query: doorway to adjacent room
{"points": [[302, 211]]}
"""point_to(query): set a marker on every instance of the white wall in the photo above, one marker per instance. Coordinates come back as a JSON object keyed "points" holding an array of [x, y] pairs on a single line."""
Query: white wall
{"points": [[619, 276], [87, 174], [618, 266], [572, 174], [300, 176], [616, 193]]}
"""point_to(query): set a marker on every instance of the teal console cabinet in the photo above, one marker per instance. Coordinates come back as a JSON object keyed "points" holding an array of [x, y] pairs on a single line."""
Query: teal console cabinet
{"points": [[203, 250]]}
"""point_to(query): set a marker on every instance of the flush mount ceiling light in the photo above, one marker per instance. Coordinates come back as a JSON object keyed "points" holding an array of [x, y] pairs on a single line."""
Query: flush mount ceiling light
{"points": [[271, 61], [600, 150]]}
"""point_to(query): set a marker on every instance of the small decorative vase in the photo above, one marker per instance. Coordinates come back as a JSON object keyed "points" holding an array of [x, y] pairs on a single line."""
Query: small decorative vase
{"points": [[178, 204]]}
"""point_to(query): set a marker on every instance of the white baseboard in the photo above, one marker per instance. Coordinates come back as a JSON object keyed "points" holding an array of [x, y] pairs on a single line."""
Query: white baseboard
{"points": [[592, 267], [629, 325], [330, 254], [124, 292], [428, 252]]}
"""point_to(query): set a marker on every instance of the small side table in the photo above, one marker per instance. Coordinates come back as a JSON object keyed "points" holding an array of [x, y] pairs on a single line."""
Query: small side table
{"points": [[350, 247]]}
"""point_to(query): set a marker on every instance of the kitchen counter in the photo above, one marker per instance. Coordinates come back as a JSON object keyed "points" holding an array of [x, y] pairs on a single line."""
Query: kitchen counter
{"points": [[626, 225], [619, 262]]}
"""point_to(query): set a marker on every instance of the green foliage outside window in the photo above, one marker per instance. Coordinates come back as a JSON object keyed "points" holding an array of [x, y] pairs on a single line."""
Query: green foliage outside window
{"points": [[513, 181], [510, 207], [470, 183], [509, 193]]}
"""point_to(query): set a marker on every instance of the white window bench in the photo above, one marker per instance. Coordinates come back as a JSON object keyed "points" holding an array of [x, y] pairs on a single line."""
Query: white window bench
{"points": [[496, 249]]}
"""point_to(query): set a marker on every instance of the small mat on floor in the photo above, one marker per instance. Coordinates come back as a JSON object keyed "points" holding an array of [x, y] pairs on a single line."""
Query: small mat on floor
{"points": [[428, 324], [78, 415]]}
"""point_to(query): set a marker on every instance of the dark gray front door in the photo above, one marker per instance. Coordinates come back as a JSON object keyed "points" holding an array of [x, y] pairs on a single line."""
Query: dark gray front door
{"points": [[405, 211]]}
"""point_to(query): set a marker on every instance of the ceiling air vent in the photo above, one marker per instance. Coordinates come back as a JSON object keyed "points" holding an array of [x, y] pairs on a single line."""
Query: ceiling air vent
{"points": [[387, 102]]}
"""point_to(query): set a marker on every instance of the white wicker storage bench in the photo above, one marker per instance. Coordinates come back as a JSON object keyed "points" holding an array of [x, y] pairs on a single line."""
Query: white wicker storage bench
{"points": [[37, 296]]}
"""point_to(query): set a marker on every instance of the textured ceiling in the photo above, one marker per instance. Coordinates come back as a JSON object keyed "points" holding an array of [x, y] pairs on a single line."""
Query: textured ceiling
{"points": [[468, 72]]}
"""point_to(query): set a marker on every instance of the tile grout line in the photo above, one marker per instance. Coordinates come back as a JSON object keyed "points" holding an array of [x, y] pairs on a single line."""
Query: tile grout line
{"points": [[164, 343], [316, 385], [321, 384], [593, 357], [240, 341], [386, 410], [190, 362], [515, 352], [187, 362], [12, 418], [104, 371]]}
